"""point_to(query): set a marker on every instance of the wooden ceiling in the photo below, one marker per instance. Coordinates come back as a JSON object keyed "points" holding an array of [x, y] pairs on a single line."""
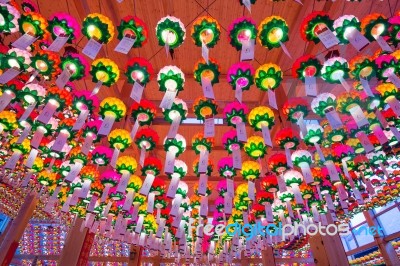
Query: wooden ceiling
{"points": [[185, 57]]}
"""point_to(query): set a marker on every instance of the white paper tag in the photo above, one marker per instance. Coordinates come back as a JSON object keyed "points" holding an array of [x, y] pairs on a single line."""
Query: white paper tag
{"points": [[366, 87], [125, 45], [365, 142], [230, 188], [92, 48], [24, 134], [357, 39], [75, 170], [92, 203], [247, 52], [328, 38], [202, 190], [168, 99], [173, 186], [395, 80], [148, 182], [358, 196], [139, 225], [203, 162], [251, 188], [272, 99], [65, 207], [395, 132], [281, 184], [137, 92], [267, 136], [106, 125], [378, 132], [142, 156], [150, 203], [204, 206], [81, 120], [204, 52], [308, 178], [123, 182], [302, 126], [207, 88], [27, 111], [47, 113], [395, 105], [384, 45], [311, 86], [285, 50], [87, 145], [209, 127], [239, 93], [96, 88], [173, 130], [12, 161], [247, 4], [288, 157], [75, 197], [381, 118], [8, 75], [176, 204], [358, 115], [58, 43], [63, 78], [128, 200], [24, 41], [228, 204], [169, 162], [60, 141], [26, 180], [94, 227], [31, 158], [333, 173], [160, 228], [345, 85], [268, 213], [334, 119]]}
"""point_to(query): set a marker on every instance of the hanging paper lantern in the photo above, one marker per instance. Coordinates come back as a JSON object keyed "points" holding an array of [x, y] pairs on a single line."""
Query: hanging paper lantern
{"points": [[170, 31], [171, 78], [314, 134], [77, 65], [133, 27], [230, 141], [250, 170], [261, 116], [34, 24], [306, 66], [287, 138], [143, 112], [277, 163], [134, 184], [235, 113], [272, 32], [323, 103], [10, 16], [255, 147], [210, 167], [348, 100], [178, 108], [362, 67], [46, 63], [147, 139], [204, 107], [119, 139], [90, 129], [28, 6], [293, 178], [374, 25], [126, 164], [295, 108], [240, 75], [268, 77], [139, 70], [17, 58], [89, 172], [387, 66], [180, 169], [343, 152], [151, 166], [394, 29], [31, 93], [112, 107], [313, 23], [64, 25], [99, 27], [344, 26], [22, 148], [205, 30], [209, 71], [105, 71], [242, 194], [241, 30], [225, 167], [109, 179], [335, 69], [269, 183], [83, 100], [387, 91], [59, 97], [335, 135], [176, 145], [47, 178]]}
